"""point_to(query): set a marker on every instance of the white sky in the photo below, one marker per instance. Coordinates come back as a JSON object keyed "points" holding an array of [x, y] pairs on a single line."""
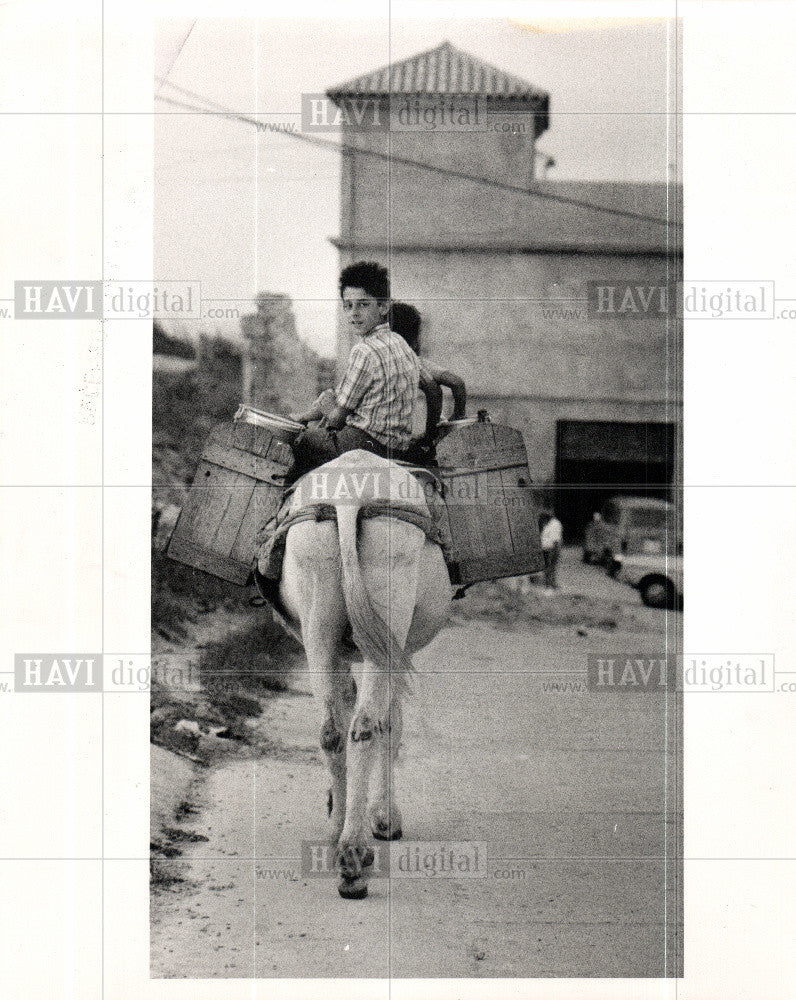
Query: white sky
{"points": [[245, 211]]}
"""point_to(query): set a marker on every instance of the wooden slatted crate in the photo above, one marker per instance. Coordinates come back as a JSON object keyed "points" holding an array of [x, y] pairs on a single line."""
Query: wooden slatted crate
{"points": [[491, 514], [238, 486]]}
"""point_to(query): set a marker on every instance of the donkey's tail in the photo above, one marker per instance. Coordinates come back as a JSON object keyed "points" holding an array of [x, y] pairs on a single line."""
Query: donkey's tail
{"points": [[372, 634]]}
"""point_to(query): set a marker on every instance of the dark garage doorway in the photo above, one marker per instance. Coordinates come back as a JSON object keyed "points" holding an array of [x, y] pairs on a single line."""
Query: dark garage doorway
{"points": [[598, 459]]}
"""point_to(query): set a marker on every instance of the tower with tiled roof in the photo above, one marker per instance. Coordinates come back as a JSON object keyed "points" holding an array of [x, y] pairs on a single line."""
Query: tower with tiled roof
{"points": [[447, 71], [398, 111]]}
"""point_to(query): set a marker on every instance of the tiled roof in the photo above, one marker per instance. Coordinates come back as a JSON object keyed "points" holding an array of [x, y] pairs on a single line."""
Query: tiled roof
{"points": [[443, 70]]}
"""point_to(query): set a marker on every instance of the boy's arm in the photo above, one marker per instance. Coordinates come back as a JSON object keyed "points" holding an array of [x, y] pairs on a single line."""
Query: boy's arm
{"points": [[338, 417], [456, 386], [430, 388]]}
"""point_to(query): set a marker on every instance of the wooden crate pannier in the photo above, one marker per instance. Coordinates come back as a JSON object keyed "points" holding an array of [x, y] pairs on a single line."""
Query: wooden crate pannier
{"points": [[238, 486], [492, 518]]}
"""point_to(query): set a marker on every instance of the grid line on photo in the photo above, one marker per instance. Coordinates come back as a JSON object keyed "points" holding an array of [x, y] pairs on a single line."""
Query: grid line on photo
{"points": [[102, 490]]}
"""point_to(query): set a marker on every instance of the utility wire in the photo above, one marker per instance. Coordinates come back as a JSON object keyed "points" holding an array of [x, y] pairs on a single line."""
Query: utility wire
{"points": [[164, 79], [539, 153], [419, 164], [191, 93]]}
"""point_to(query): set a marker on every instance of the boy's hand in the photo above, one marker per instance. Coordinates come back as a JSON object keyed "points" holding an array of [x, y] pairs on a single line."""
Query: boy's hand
{"points": [[337, 418], [425, 452], [323, 405]]}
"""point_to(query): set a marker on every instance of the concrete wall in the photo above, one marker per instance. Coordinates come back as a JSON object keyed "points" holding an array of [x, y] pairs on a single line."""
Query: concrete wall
{"points": [[385, 201], [503, 148], [516, 324]]}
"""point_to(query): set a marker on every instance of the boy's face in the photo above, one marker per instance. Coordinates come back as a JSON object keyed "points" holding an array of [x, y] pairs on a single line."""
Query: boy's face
{"points": [[362, 311]]}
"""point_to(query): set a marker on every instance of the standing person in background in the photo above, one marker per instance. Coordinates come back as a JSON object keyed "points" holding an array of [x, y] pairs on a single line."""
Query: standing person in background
{"points": [[552, 539]]}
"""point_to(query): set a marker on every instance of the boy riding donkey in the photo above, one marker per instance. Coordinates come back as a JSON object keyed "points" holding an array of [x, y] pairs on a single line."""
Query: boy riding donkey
{"points": [[372, 407], [376, 397]]}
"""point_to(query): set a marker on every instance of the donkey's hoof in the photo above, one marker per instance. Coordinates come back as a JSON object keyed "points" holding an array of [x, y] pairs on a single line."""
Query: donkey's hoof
{"points": [[352, 888], [382, 831], [385, 822], [351, 864], [351, 860]]}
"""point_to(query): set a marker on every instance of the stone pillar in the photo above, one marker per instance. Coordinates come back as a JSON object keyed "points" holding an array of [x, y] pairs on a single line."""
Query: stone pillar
{"points": [[279, 372]]}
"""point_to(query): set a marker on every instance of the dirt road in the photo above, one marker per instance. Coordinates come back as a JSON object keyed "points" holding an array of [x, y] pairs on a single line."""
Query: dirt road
{"points": [[573, 793]]}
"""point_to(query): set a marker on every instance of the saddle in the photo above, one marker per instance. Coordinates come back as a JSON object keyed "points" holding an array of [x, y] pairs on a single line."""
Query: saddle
{"points": [[272, 536]]}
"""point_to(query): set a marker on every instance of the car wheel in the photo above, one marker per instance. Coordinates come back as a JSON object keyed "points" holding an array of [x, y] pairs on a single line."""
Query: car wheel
{"points": [[657, 593], [611, 565], [587, 557]]}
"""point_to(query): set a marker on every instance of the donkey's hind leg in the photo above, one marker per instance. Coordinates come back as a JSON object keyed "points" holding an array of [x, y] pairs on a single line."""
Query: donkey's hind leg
{"points": [[336, 693], [383, 813], [311, 590]]}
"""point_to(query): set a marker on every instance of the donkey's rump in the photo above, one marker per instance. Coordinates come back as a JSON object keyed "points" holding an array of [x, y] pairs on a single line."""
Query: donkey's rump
{"points": [[384, 536]]}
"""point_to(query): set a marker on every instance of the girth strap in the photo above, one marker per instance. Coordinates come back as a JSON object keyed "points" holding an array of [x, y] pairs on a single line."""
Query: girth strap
{"points": [[423, 521], [326, 512]]}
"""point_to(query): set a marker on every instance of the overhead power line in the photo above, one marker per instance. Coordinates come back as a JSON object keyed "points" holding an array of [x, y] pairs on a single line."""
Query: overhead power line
{"points": [[314, 140], [191, 93], [164, 79]]}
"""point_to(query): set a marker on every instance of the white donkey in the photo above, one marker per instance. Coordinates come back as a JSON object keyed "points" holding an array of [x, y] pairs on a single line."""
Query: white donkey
{"points": [[387, 579]]}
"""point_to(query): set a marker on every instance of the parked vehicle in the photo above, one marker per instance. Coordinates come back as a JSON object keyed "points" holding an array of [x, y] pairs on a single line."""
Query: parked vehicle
{"points": [[658, 578], [629, 525]]}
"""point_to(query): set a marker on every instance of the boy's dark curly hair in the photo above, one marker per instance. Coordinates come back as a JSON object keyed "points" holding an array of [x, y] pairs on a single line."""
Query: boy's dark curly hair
{"points": [[405, 320], [369, 275]]}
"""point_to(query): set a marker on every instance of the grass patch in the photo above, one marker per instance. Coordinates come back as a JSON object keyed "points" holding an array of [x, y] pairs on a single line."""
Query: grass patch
{"points": [[234, 673], [246, 664]]}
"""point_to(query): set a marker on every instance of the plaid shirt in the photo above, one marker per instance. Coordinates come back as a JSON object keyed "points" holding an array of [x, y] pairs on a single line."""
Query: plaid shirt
{"points": [[380, 386]]}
